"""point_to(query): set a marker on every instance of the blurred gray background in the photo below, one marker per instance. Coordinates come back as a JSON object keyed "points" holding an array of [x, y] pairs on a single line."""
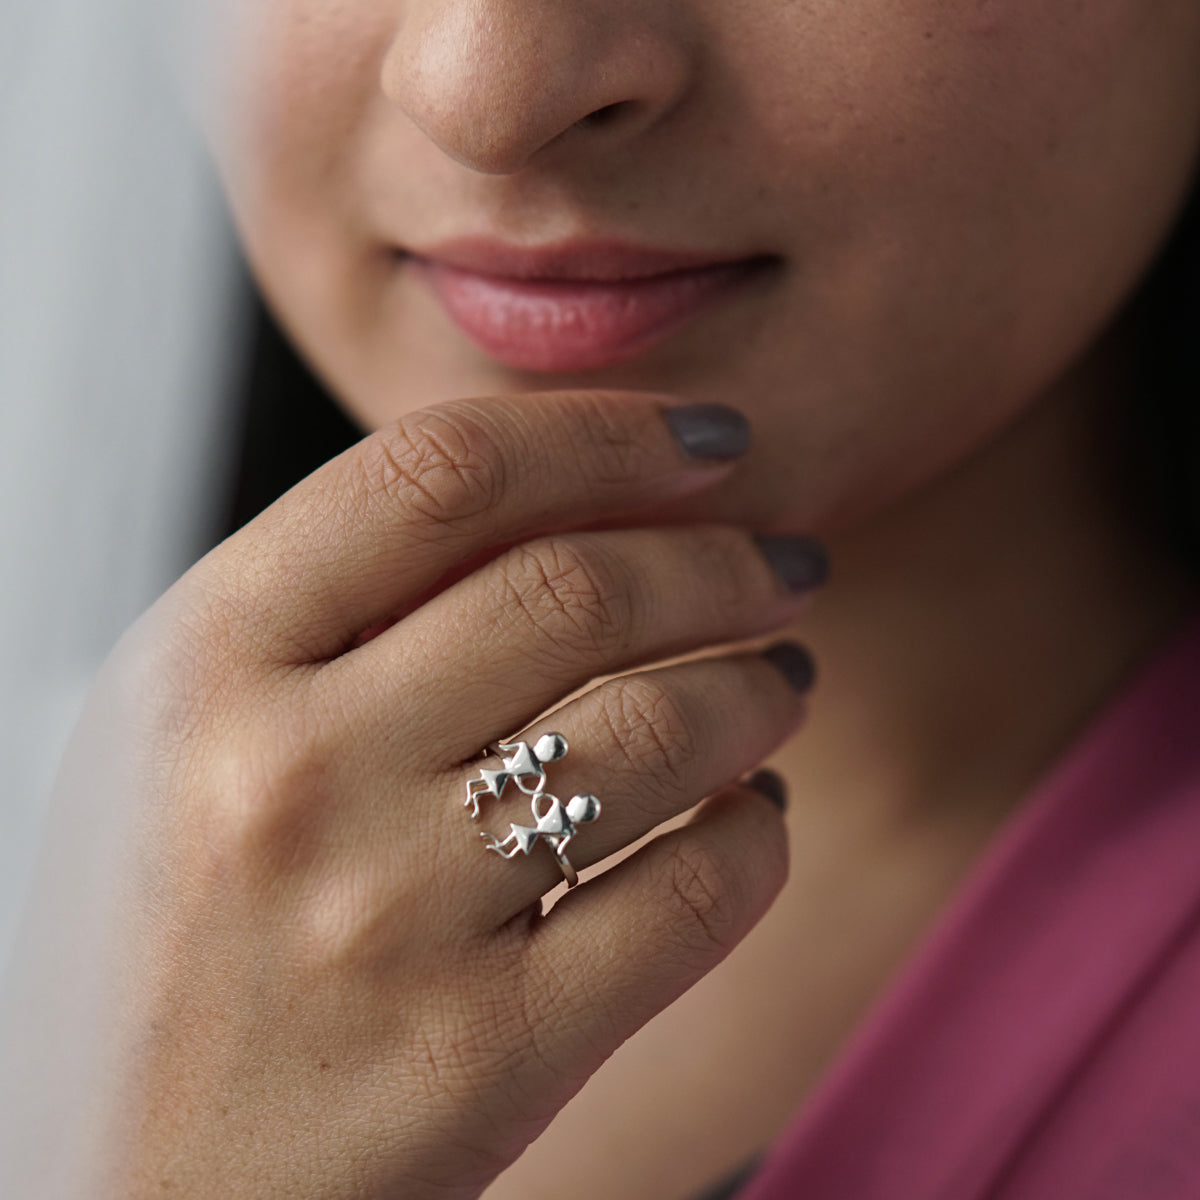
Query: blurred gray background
{"points": [[121, 335]]}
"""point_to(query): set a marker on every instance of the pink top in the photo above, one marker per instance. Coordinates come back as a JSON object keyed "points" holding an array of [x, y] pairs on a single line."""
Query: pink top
{"points": [[1043, 1043]]}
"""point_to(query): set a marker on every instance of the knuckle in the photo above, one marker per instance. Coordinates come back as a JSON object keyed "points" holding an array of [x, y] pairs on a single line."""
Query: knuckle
{"points": [[183, 673], [651, 731], [204, 623], [721, 565], [264, 801], [445, 466], [700, 895], [617, 447], [572, 594]]}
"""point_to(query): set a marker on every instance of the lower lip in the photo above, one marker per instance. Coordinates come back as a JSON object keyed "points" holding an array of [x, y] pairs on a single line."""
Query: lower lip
{"points": [[566, 326]]}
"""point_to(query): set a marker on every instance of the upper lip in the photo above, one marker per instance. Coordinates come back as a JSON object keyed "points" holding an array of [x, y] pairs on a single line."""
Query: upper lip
{"points": [[583, 260]]}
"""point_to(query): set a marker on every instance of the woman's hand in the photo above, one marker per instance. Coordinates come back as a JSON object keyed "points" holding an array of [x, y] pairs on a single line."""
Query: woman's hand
{"points": [[335, 990]]}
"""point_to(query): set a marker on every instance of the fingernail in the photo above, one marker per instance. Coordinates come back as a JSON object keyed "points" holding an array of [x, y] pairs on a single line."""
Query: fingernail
{"points": [[801, 563], [795, 664], [709, 430], [770, 784]]}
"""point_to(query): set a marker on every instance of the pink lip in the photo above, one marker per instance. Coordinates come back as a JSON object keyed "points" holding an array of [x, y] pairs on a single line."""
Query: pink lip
{"points": [[578, 305]]}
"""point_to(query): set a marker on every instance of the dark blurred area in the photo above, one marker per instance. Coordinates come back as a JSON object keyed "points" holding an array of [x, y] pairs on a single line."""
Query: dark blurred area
{"points": [[290, 424], [1167, 413]]}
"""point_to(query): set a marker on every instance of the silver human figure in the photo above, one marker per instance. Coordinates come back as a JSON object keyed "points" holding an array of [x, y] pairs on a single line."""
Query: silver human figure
{"points": [[556, 826], [525, 765]]}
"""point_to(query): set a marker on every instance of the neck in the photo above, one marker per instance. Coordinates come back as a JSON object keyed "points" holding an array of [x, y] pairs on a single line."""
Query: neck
{"points": [[976, 627]]}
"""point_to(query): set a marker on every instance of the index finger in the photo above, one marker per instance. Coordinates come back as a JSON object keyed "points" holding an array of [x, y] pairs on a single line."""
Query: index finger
{"points": [[379, 528]]}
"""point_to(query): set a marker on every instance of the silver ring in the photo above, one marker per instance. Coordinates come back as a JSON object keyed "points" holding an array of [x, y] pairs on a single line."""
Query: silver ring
{"points": [[554, 822]]}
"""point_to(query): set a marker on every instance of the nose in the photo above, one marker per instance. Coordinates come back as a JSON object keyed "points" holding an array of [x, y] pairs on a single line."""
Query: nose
{"points": [[496, 82]]}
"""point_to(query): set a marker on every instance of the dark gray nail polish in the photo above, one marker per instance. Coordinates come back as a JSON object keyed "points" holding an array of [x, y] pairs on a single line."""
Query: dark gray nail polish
{"points": [[800, 562], [795, 663], [771, 785], [709, 430]]}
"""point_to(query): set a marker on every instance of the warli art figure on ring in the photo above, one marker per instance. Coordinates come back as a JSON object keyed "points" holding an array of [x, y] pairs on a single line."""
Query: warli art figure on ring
{"points": [[525, 765], [555, 826]]}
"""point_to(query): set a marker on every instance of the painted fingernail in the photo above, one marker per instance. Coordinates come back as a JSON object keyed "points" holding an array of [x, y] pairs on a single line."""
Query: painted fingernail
{"points": [[709, 431], [801, 563], [770, 784], [795, 664]]}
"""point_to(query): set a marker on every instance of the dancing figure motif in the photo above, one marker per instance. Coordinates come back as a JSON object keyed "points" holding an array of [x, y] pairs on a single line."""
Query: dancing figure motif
{"points": [[524, 765], [556, 826]]}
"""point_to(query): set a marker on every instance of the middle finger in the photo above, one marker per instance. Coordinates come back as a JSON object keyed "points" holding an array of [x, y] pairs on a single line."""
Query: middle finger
{"points": [[500, 647]]}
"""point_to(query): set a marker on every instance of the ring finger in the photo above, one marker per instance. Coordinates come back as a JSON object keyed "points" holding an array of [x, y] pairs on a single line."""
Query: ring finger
{"points": [[649, 746]]}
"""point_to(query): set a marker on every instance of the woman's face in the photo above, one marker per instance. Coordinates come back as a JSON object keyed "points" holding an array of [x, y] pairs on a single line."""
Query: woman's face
{"points": [[935, 205]]}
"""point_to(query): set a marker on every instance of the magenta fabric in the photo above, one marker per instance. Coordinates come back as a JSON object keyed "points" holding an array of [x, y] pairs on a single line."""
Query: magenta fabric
{"points": [[1043, 1043]]}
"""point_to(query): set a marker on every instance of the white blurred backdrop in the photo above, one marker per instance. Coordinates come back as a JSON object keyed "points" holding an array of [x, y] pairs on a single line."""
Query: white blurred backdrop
{"points": [[121, 323]]}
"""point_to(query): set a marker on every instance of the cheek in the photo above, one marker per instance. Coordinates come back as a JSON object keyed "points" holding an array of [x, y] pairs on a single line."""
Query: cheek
{"points": [[297, 82], [299, 96], [997, 139], [975, 189]]}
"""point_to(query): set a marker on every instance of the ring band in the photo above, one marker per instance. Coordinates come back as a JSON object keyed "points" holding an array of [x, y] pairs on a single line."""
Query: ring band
{"points": [[555, 823]]}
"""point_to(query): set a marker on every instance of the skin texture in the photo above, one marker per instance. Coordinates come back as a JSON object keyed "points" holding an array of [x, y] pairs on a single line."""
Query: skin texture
{"points": [[335, 996], [325, 987], [961, 195]]}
